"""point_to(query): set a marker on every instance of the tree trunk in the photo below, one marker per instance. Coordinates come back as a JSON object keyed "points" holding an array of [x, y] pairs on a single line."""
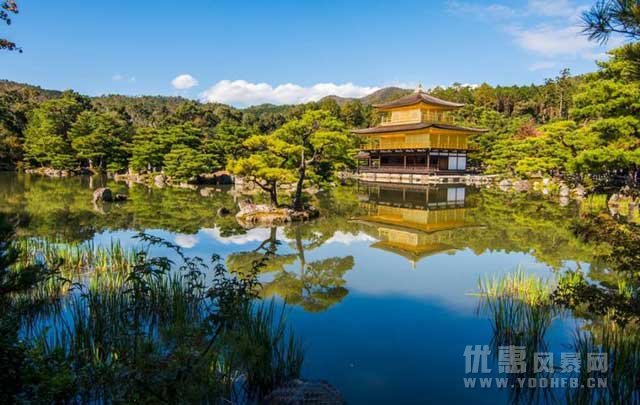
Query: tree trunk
{"points": [[273, 194], [297, 200]]}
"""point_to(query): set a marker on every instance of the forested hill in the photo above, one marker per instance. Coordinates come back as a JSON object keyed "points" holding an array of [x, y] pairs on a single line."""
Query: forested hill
{"points": [[8, 86], [572, 125], [377, 97]]}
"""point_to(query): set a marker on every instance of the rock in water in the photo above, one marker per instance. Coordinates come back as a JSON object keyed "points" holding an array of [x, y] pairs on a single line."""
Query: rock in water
{"points": [[102, 194], [251, 215]]}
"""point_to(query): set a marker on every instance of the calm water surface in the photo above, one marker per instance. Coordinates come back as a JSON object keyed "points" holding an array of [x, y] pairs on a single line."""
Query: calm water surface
{"points": [[381, 288]]}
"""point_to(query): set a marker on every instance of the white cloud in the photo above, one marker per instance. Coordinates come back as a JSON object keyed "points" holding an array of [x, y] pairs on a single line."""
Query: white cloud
{"points": [[550, 41], [252, 235], [186, 241], [184, 82], [542, 65], [349, 238], [244, 93], [556, 8], [123, 78], [547, 28], [491, 11]]}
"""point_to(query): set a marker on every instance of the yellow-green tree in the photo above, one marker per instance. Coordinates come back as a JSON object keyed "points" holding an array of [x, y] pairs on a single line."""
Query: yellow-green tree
{"points": [[310, 148]]}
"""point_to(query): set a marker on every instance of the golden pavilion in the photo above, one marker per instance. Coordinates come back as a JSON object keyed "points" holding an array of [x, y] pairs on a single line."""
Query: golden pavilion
{"points": [[415, 136]]}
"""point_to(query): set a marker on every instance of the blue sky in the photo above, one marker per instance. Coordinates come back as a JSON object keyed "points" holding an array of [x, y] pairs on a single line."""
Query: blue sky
{"points": [[291, 51]]}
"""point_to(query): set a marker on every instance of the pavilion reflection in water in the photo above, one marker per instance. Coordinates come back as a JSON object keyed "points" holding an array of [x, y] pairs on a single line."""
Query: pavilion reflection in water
{"points": [[415, 222]]}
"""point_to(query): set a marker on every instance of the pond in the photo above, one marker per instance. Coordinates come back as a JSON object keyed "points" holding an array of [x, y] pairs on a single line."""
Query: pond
{"points": [[382, 289]]}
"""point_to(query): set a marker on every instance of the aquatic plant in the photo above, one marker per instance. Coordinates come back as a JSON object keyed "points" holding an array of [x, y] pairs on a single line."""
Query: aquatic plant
{"points": [[520, 310], [123, 325], [518, 285], [621, 373]]}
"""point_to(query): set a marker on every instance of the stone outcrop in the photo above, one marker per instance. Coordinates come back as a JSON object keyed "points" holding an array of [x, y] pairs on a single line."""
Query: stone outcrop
{"points": [[579, 192], [251, 215], [522, 185], [50, 172], [160, 180], [103, 194], [564, 191], [223, 212], [219, 177]]}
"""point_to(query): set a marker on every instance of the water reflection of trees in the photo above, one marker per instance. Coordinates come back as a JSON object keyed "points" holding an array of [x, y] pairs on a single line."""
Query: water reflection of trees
{"points": [[61, 208], [495, 221], [313, 285]]}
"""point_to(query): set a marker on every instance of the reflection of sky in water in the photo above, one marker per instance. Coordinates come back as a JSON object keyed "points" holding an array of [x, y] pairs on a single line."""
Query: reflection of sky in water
{"points": [[446, 278], [400, 333]]}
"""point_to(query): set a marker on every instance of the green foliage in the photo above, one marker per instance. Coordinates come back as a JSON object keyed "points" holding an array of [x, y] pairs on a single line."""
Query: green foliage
{"points": [[184, 162], [600, 138], [151, 145], [47, 140], [140, 329], [101, 139], [147, 152], [311, 147], [225, 143], [609, 17]]}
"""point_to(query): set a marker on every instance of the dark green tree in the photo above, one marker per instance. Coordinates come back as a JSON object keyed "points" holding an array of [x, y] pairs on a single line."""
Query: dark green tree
{"points": [[101, 140], [6, 7], [609, 17], [47, 141]]}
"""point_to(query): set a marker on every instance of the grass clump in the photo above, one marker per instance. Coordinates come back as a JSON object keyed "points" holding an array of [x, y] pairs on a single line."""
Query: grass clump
{"points": [[518, 285], [116, 325]]}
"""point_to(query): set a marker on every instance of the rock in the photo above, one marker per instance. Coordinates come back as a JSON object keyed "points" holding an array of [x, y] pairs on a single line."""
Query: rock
{"points": [[564, 201], [251, 214], [223, 177], [102, 194], [564, 191], [120, 197], [522, 185], [546, 181], [223, 212], [160, 180], [187, 186], [579, 192], [614, 200], [299, 392], [206, 191]]}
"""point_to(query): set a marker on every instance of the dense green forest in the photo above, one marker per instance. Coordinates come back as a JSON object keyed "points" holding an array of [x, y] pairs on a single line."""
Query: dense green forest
{"points": [[586, 127]]}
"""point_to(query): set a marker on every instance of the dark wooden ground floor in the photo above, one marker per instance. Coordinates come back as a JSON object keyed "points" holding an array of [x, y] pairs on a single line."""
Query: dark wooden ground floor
{"points": [[413, 161]]}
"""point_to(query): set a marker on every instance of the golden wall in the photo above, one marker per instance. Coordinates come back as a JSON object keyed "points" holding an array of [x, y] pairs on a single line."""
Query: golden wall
{"points": [[429, 139]]}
